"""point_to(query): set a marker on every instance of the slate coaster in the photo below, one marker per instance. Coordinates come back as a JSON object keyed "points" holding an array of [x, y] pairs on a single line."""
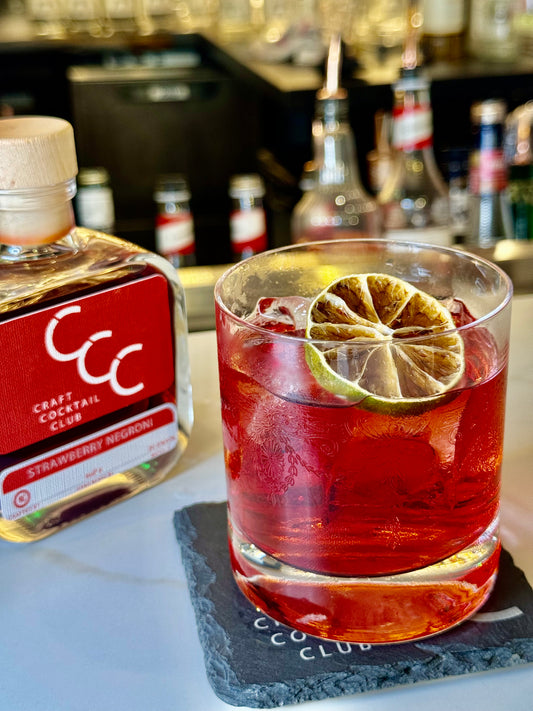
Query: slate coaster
{"points": [[253, 661]]}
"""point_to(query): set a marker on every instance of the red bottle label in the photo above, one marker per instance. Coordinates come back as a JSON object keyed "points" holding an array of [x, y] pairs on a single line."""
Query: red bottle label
{"points": [[412, 127], [174, 234], [81, 359], [248, 231], [488, 172], [42, 480]]}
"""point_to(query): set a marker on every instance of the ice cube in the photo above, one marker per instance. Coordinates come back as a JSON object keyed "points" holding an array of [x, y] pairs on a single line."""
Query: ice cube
{"points": [[459, 311], [278, 364], [281, 314]]}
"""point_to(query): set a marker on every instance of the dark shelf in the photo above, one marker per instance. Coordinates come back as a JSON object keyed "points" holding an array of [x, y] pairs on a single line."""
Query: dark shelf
{"points": [[263, 110]]}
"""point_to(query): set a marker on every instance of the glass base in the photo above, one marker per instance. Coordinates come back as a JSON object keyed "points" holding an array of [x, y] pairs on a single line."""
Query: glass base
{"points": [[374, 610]]}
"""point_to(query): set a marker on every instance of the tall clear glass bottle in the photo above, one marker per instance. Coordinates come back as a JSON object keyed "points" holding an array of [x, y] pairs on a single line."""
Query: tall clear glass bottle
{"points": [[95, 370], [414, 198], [490, 208], [338, 206]]}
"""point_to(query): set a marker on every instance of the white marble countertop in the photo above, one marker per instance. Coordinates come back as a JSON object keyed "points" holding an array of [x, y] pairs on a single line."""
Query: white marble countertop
{"points": [[98, 617]]}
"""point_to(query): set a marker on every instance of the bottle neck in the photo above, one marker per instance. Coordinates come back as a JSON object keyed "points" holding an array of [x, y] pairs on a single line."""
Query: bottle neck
{"points": [[37, 223], [334, 150], [248, 201], [488, 136]]}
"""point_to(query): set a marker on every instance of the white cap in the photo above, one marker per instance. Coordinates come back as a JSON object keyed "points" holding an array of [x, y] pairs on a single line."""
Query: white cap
{"points": [[36, 152], [246, 184], [489, 111]]}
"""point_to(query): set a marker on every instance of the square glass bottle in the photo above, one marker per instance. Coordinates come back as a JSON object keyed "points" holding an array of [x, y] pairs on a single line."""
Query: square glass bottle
{"points": [[95, 376]]}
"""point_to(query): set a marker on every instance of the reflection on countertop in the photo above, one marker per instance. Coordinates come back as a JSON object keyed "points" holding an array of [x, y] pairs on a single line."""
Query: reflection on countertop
{"points": [[199, 284]]}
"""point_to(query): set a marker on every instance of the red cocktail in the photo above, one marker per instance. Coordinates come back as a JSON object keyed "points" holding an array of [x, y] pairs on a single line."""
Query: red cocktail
{"points": [[350, 518]]}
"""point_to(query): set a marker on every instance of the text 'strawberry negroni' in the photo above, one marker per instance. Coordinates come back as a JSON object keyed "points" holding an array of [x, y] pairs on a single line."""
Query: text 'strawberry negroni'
{"points": [[363, 395], [94, 357]]}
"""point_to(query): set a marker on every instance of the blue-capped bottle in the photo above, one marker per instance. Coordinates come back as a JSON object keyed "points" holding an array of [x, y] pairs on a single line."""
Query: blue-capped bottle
{"points": [[490, 217]]}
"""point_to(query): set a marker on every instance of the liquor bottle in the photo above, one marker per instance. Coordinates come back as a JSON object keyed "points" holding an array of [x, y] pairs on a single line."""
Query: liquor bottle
{"points": [[521, 200], [381, 158], [414, 198], [174, 225], [523, 27], [518, 152], [456, 161], [248, 231], [443, 30], [120, 16], [338, 206], [490, 210], [95, 206], [235, 22], [379, 29], [83, 17], [95, 373], [308, 177], [492, 35]]}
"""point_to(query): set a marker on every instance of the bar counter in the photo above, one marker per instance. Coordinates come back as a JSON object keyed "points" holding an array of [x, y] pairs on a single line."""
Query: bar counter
{"points": [[98, 617]]}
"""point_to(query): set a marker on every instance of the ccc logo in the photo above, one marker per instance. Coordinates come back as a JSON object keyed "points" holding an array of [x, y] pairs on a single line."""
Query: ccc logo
{"points": [[80, 355]]}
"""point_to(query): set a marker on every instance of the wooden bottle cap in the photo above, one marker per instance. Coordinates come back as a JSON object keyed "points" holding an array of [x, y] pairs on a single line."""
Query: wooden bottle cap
{"points": [[36, 152]]}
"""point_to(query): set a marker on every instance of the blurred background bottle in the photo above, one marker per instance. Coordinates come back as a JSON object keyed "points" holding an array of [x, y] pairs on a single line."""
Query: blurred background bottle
{"points": [[48, 18], [95, 207], [84, 17], [492, 33], [443, 30], [490, 210], [248, 229], [379, 31], [288, 30], [456, 162], [308, 178], [120, 16], [234, 20], [380, 159], [174, 224], [523, 27], [521, 200], [415, 197], [518, 150], [337, 205]]}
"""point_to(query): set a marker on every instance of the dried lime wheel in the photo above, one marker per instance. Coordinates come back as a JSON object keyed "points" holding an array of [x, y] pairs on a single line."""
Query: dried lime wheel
{"points": [[386, 344]]}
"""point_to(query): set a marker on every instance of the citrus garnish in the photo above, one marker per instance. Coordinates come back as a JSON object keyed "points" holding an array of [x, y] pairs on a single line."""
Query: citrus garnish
{"points": [[369, 323]]}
